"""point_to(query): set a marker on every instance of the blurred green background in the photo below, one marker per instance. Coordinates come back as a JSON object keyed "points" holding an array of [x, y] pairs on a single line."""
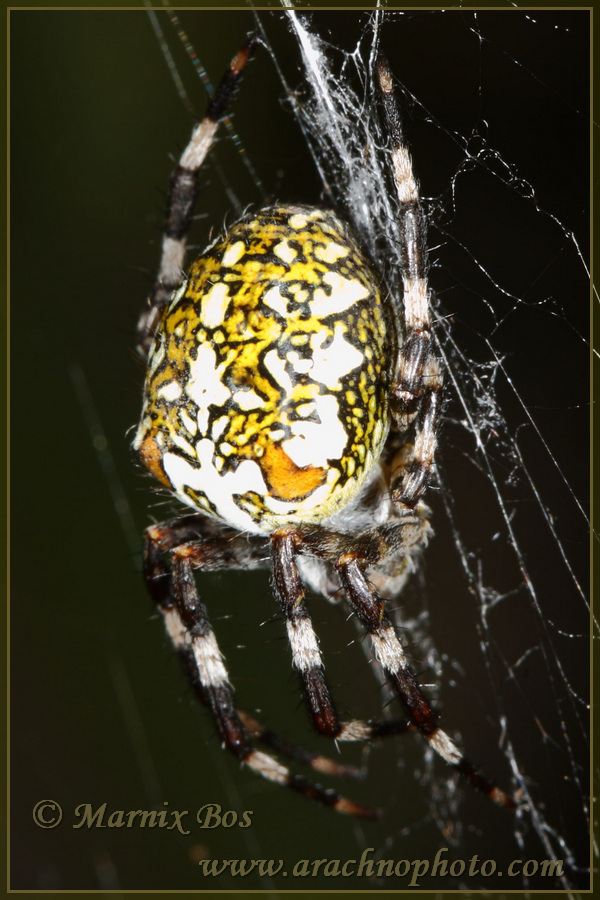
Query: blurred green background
{"points": [[100, 710]]}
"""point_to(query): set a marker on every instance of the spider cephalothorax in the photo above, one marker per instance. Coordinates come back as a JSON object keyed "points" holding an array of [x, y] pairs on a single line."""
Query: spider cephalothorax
{"points": [[296, 412]]}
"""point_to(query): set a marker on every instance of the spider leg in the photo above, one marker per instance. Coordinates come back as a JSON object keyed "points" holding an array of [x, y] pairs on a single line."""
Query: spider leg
{"points": [[285, 748], [187, 623], [370, 609], [306, 655], [361, 552], [418, 384], [182, 197], [417, 391], [228, 550], [223, 548]]}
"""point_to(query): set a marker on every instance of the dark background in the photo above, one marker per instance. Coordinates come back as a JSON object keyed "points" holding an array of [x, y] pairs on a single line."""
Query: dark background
{"points": [[100, 711]]}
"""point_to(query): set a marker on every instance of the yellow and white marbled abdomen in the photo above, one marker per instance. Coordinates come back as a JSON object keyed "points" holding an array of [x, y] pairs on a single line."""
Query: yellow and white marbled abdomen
{"points": [[266, 397]]}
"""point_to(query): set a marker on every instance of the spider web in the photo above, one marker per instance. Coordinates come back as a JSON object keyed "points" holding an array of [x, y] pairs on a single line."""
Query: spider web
{"points": [[494, 423], [497, 620], [505, 450]]}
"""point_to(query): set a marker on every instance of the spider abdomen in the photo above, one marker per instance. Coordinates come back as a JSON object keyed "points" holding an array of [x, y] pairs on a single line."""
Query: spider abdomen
{"points": [[267, 385]]}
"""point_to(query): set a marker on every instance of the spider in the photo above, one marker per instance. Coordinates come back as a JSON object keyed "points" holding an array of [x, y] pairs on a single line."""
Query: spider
{"points": [[290, 409]]}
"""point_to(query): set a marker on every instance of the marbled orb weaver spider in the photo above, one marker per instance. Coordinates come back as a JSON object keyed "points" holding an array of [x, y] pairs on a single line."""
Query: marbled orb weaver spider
{"points": [[285, 404]]}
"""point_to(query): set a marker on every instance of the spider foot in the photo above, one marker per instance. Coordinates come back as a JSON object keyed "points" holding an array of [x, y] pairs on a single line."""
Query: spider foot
{"points": [[485, 786], [293, 751], [271, 769]]}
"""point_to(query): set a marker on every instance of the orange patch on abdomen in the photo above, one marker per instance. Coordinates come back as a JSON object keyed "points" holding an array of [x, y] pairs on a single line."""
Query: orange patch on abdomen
{"points": [[151, 457], [285, 479]]}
